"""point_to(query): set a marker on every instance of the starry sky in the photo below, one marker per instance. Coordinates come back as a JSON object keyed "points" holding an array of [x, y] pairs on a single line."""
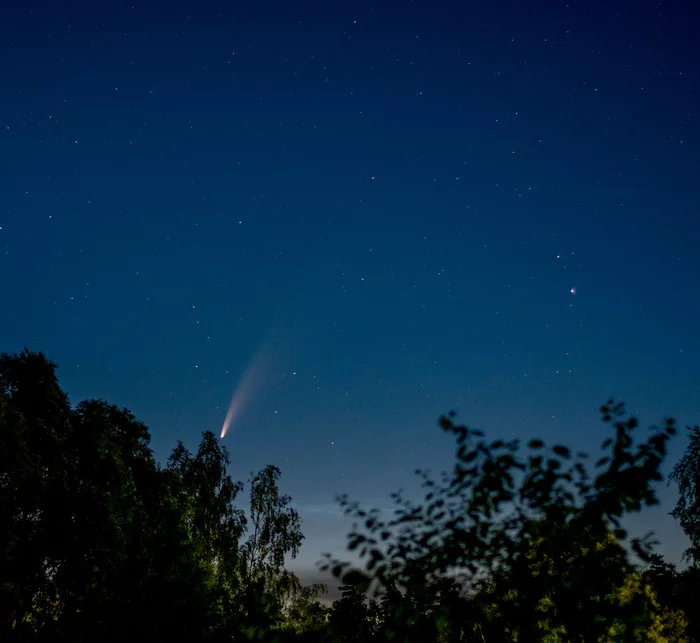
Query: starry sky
{"points": [[361, 215]]}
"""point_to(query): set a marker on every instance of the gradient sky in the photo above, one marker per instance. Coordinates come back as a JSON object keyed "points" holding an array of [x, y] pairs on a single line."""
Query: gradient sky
{"points": [[402, 207]]}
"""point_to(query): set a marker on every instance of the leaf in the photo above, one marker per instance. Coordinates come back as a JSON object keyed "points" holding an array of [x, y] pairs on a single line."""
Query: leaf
{"points": [[536, 462], [358, 579]]}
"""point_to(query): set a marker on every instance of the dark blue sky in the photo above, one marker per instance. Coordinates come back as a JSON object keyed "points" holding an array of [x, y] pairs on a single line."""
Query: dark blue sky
{"points": [[408, 207]]}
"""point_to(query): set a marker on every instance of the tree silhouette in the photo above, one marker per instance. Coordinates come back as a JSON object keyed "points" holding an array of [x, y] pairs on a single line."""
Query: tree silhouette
{"points": [[686, 474], [34, 474], [352, 618], [273, 531], [206, 496], [304, 615], [274, 527], [534, 535], [99, 542], [92, 543]]}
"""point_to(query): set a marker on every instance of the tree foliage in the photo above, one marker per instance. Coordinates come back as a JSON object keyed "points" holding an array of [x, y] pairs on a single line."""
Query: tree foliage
{"points": [[686, 474], [304, 614], [524, 535], [206, 495], [274, 527], [92, 532], [100, 542]]}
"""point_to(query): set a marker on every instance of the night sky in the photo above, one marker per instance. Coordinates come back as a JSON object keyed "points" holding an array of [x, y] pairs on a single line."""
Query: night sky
{"points": [[370, 213]]}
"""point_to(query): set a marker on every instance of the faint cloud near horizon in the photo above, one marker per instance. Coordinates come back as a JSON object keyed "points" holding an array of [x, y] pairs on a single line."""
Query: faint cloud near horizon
{"points": [[334, 509], [326, 508]]}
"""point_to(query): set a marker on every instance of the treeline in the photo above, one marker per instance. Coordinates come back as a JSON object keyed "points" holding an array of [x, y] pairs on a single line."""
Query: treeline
{"points": [[99, 542]]}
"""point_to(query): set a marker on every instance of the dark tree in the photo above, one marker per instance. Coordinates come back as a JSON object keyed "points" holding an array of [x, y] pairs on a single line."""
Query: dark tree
{"points": [[36, 480], [353, 618], [206, 495], [533, 540], [273, 531], [682, 589], [686, 474], [101, 543], [93, 545], [274, 527], [304, 615]]}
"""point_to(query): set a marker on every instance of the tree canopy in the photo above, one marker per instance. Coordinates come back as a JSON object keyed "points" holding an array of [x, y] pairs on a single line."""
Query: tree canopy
{"points": [[98, 538], [533, 541], [516, 542]]}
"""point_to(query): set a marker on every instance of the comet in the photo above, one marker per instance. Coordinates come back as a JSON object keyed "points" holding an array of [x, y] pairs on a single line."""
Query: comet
{"points": [[249, 384]]}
